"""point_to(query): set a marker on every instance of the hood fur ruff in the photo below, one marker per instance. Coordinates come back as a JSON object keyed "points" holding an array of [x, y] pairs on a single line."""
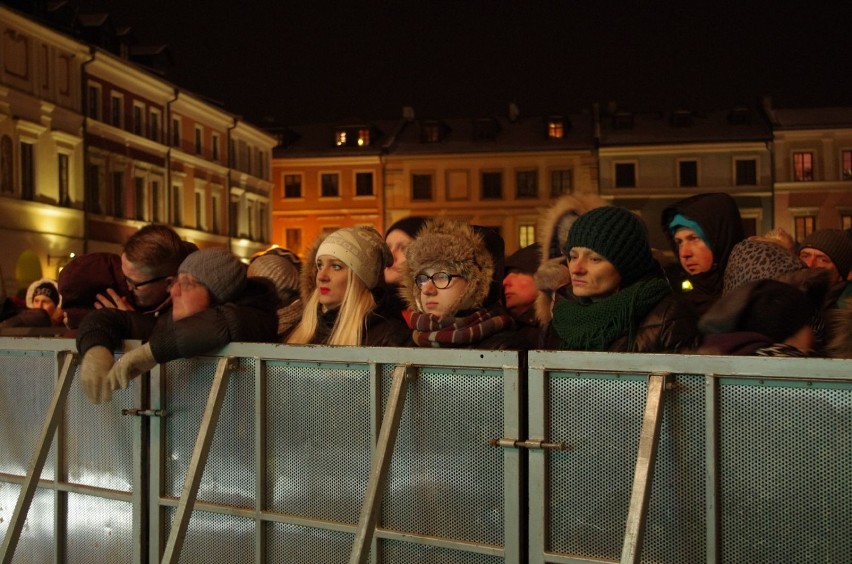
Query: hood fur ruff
{"points": [[454, 247]]}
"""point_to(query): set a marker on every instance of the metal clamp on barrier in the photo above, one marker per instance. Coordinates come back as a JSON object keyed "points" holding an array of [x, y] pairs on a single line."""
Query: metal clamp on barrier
{"points": [[529, 443], [144, 412]]}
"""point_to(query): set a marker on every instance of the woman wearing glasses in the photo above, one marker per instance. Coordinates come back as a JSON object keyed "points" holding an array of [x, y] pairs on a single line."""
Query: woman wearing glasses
{"points": [[447, 277], [342, 279]]}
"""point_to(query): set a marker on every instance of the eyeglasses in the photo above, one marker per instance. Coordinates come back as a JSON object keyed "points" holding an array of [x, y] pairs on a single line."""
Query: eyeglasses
{"points": [[136, 285], [185, 284], [440, 279]]}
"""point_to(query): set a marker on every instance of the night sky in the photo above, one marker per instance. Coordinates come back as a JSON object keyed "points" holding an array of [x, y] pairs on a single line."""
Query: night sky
{"points": [[302, 62]]}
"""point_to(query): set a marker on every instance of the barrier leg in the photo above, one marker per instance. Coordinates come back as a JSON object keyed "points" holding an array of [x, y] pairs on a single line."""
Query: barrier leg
{"points": [[381, 463], [199, 459], [644, 474], [48, 428]]}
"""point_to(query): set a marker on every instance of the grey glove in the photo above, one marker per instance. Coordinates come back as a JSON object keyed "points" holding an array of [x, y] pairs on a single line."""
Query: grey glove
{"points": [[94, 370], [132, 364]]}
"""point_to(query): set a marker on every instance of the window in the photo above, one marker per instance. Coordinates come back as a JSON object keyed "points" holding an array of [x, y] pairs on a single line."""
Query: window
{"points": [[430, 132], [94, 101], [804, 226], [139, 190], [158, 202], [845, 221], [116, 111], [199, 210], [118, 194], [94, 189], [555, 129], [363, 183], [27, 171], [293, 239], [561, 182], [215, 146], [154, 119], [746, 172], [340, 137], [526, 235], [687, 174], [803, 167], [215, 224], [234, 218], [199, 146], [138, 119], [177, 208], [262, 221], [846, 165], [625, 175], [527, 184], [292, 185], [176, 132], [363, 137], [492, 185], [330, 185], [486, 129], [251, 222], [421, 186], [62, 165], [7, 186]]}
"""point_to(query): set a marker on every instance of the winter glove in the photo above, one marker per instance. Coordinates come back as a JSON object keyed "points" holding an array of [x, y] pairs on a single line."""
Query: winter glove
{"points": [[132, 364], [94, 370]]}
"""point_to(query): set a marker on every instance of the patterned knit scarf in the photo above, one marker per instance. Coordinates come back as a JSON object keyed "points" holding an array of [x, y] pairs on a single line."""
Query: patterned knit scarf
{"points": [[429, 330], [594, 326]]}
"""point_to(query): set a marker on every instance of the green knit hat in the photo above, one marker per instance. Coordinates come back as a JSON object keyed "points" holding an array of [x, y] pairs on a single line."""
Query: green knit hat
{"points": [[619, 236]]}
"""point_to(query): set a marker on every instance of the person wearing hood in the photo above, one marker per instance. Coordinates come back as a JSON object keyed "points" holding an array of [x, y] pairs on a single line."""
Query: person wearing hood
{"points": [[702, 231], [340, 284], [283, 268], [213, 303], [623, 303], [44, 307], [520, 291], [447, 279]]}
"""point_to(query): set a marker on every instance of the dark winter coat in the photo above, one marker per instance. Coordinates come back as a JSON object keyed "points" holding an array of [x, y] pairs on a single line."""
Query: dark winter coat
{"points": [[380, 331]]}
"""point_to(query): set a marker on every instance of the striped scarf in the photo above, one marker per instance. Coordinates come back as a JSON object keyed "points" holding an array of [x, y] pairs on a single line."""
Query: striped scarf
{"points": [[429, 330]]}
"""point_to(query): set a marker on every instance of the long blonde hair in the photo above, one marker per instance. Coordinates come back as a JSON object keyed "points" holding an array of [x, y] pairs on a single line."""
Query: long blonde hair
{"points": [[349, 326]]}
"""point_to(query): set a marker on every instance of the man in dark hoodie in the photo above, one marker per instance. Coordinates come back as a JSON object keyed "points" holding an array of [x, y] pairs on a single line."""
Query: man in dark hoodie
{"points": [[702, 231]]}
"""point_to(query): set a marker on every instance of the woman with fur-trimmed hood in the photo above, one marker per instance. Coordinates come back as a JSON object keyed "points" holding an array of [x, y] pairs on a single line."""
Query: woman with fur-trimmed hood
{"points": [[342, 281], [552, 277], [446, 281]]}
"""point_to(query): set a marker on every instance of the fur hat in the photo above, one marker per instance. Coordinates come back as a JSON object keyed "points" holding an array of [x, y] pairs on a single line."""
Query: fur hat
{"points": [[756, 259], [43, 287], [362, 249], [836, 244], [219, 270], [282, 268], [618, 235], [455, 247], [408, 225]]}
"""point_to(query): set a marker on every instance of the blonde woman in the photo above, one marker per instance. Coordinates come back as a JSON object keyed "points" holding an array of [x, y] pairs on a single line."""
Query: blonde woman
{"points": [[342, 277]]}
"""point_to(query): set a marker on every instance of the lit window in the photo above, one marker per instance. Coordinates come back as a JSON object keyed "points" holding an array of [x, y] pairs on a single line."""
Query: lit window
{"points": [[803, 167], [363, 137], [846, 221], [555, 129], [526, 235], [846, 165], [804, 226], [340, 138]]}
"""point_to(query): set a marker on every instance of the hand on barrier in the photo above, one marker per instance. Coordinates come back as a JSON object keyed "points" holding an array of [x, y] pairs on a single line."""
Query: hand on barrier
{"points": [[94, 370], [131, 365]]}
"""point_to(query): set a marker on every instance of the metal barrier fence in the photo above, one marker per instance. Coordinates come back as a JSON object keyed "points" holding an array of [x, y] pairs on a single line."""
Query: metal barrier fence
{"points": [[276, 453]]}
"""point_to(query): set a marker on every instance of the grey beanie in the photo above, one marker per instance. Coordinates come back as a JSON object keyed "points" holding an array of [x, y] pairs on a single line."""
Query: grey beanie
{"points": [[360, 248], [219, 270], [282, 268], [835, 243]]}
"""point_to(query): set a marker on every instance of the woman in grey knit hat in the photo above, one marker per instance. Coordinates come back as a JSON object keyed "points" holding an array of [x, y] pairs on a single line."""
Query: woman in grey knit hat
{"points": [[623, 301], [340, 281]]}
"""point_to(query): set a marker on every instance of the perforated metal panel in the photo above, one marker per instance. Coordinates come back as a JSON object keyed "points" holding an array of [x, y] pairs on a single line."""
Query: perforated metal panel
{"points": [[786, 472], [100, 530], [445, 480], [213, 537], [306, 545], [407, 553], [229, 477], [319, 444], [35, 545]]}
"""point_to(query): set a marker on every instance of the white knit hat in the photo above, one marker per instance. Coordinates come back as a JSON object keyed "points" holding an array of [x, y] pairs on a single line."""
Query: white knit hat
{"points": [[360, 248]]}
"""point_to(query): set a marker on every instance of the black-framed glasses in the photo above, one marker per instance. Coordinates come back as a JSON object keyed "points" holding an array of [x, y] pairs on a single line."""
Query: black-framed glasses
{"points": [[440, 279], [136, 285]]}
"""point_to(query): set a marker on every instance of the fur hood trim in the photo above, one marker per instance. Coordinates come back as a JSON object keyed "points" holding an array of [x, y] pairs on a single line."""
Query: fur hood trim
{"points": [[308, 274], [452, 246]]}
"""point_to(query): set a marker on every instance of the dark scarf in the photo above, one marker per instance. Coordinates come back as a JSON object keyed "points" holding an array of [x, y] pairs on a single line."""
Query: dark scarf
{"points": [[593, 326], [429, 330]]}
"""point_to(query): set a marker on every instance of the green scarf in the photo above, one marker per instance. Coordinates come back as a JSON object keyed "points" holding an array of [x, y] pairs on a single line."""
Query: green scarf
{"points": [[594, 326]]}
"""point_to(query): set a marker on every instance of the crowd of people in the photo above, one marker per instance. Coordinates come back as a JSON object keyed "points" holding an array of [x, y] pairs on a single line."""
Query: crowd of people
{"points": [[591, 283]]}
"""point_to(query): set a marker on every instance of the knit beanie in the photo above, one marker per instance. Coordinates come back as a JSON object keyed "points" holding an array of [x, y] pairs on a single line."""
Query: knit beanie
{"points": [[619, 236], [282, 268], [756, 259], [680, 221], [362, 249], [43, 287], [219, 270], [775, 309], [408, 225], [835, 243], [525, 261]]}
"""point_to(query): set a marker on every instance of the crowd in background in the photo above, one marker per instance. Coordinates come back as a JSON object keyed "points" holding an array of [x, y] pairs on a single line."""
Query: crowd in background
{"points": [[591, 282]]}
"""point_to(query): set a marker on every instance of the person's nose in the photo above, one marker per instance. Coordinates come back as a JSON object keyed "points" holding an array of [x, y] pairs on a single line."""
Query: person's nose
{"points": [[429, 288], [577, 266], [322, 273]]}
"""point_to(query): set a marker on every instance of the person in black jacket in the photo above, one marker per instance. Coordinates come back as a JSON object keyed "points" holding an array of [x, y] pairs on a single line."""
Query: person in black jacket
{"points": [[213, 303]]}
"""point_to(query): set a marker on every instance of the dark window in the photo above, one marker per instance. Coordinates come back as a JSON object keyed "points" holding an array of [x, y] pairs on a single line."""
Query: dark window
{"points": [[803, 167], [157, 202], [198, 140], [363, 183], [492, 185], [138, 121], [177, 208], [421, 186], [175, 133], [139, 188], [625, 175], [94, 102], [215, 147], [688, 173], [233, 218], [199, 210], [746, 173], [430, 132], [804, 226], [527, 181], [115, 111], [293, 239], [846, 165], [330, 185], [561, 182], [64, 197], [292, 186], [154, 126], [118, 194], [486, 129], [214, 211], [93, 189], [6, 168], [27, 172]]}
